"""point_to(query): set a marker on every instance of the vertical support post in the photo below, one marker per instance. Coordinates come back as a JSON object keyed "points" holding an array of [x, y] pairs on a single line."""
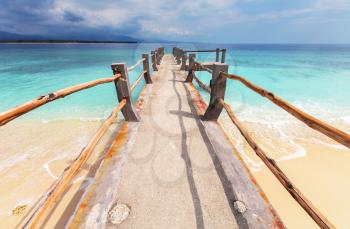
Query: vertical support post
{"points": [[217, 51], [191, 67], [147, 74], [223, 55], [154, 65], [176, 53], [162, 51], [179, 54], [218, 88], [122, 86], [158, 57], [184, 60]]}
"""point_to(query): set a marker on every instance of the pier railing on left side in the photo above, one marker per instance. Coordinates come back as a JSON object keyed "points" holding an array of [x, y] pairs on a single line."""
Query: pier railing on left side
{"points": [[121, 80]]}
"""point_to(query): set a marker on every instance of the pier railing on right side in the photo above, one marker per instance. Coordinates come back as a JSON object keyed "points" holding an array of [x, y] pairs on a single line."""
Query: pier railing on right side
{"points": [[216, 89]]}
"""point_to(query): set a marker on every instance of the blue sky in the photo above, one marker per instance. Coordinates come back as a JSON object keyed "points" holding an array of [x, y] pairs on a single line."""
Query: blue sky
{"points": [[217, 21]]}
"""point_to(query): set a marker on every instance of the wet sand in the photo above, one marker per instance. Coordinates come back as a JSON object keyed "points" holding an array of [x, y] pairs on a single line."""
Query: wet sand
{"points": [[33, 155], [320, 172]]}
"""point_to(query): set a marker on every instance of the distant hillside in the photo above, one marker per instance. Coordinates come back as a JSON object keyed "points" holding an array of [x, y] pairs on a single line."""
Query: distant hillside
{"points": [[6, 37], [13, 36]]}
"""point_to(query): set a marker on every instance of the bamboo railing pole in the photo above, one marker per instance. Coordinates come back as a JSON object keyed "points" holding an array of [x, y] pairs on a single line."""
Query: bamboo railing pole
{"points": [[47, 204], [15, 112], [313, 212], [314, 123], [200, 50], [201, 84], [138, 79]]}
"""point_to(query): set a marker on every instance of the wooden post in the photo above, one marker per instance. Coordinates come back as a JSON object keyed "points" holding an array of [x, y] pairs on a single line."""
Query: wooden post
{"points": [[122, 86], [179, 54], [191, 67], [147, 74], [184, 60], [154, 65], [157, 57], [217, 55], [223, 55], [176, 52], [162, 51], [218, 88]]}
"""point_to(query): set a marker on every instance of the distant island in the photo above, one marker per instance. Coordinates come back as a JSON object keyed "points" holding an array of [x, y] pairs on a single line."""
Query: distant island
{"points": [[62, 41], [6, 37]]}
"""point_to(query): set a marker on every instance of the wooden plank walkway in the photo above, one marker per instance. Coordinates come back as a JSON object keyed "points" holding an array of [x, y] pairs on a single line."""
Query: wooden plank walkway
{"points": [[177, 171]]}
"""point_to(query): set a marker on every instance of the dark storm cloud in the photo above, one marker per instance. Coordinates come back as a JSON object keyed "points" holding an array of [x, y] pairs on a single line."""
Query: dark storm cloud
{"points": [[228, 20], [72, 17]]}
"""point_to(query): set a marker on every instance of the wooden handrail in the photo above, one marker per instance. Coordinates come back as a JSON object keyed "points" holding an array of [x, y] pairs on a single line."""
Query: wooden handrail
{"points": [[138, 79], [314, 213], [48, 202], [15, 112], [314, 123], [135, 65], [201, 84], [214, 50], [202, 67]]}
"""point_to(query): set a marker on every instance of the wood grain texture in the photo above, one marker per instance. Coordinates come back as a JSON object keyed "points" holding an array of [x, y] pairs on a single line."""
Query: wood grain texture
{"points": [[137, 81], [15, 112], [49, 201]]}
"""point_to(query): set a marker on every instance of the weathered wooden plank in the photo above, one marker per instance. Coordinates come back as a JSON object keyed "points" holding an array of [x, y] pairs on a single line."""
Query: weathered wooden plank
{"points": [[241, 185], [102, 193]]}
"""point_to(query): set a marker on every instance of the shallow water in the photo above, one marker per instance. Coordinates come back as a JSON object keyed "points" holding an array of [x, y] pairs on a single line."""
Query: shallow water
{"points": [[314, 78], [43, 142]]}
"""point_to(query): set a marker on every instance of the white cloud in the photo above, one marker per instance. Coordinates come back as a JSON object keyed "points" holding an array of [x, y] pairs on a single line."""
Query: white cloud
{"points": [[155, 17], [168, 18]]}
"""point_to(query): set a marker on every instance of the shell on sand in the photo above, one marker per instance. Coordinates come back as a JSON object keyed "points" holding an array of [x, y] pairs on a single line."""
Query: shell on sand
{"points": [[19, 210], [119, 213]]}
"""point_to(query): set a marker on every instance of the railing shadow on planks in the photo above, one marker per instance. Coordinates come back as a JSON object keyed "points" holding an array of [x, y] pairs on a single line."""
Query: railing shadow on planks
{"points": [[121, 80], [217, 88]]}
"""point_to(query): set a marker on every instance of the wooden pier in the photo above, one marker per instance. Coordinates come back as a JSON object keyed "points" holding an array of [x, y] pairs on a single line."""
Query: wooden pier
{"points": [[171, 163]]}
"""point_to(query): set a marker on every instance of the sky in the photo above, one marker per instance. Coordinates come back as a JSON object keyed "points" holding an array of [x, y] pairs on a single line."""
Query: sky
{"points": [[214, 21]]}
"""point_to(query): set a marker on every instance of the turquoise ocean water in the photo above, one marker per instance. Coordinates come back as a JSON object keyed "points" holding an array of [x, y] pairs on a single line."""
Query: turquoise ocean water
{"points": [[30, 70], [315, 78]]}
